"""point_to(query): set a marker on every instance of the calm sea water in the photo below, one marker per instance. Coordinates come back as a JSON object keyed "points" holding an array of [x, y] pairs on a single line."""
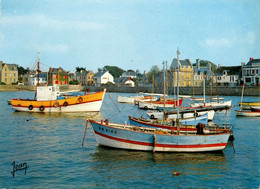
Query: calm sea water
{"points": [[51, 147]]}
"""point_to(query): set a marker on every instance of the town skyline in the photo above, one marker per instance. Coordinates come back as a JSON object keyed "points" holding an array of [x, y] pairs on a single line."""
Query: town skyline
{"points": [[132, 34]]}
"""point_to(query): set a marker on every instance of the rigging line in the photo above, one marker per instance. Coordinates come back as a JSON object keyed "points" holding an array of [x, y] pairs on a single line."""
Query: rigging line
{"points": [[113, 102]]}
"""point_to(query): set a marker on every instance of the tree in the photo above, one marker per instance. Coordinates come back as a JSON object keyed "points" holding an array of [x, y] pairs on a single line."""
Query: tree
{"points": [[22, 71], [78, 69], [114, 71], [153, 71]]}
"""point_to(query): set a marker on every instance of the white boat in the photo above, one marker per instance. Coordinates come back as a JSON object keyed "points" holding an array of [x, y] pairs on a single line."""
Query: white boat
{"points": [[212, 104], [160, 103], [182, 114], [247, 113], [125, 99], [131, 137]]}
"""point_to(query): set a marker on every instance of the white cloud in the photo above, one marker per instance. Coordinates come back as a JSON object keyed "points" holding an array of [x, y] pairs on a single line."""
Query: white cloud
{"points": [[49, 23], [54, 48], [215, 43], [251, 37]]}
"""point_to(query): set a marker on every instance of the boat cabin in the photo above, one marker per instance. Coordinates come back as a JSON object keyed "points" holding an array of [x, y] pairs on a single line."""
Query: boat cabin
{"points": [[47, 93]]}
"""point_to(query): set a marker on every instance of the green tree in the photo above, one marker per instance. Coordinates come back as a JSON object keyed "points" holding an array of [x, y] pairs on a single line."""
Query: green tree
{"points": [[153, 71], [114, 71], [78, 69], [22, 71]]}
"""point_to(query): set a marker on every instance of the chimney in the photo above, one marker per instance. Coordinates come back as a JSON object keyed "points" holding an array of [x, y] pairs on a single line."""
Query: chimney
{"points": [[251, 59], [198, 63], [243, 64], [219, 65]]}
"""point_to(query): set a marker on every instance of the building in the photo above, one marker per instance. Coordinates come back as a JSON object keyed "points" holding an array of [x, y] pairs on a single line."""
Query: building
{"points": [[103, 78], [8, 73], [122, 81], [251, 72], [200, 72], [227, 76], [185, 73], [129, 73], [85, 77], [58, 76], [33, 79]]}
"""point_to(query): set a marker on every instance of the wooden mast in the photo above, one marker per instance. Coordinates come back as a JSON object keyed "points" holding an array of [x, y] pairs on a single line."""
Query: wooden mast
{"points": [[38, 66], [178, 121]]}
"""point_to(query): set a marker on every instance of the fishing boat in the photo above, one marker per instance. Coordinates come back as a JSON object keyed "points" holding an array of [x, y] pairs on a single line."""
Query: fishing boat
{"points": [[131, 137], [247, 113], [248, 105], [255, 109], [168, 102], [248, 109], [49, 100], [125, 99], [168, 123], [226, 104], [183, 113]]}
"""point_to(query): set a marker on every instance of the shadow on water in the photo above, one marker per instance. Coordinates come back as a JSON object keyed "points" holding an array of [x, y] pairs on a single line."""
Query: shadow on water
{"points": [[82, 115], [106, 154]]}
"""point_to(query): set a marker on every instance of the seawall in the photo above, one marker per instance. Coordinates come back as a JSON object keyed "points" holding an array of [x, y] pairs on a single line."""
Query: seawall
{"points": [[223, 91]]}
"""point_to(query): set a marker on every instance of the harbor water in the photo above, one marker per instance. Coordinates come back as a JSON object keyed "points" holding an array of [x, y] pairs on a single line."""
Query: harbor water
{"points": [[50, 146]]}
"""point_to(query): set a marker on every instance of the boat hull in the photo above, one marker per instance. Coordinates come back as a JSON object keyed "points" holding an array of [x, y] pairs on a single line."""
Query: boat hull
{"points": [[182, 114], [247, 113], [84, 103], [141, 138], [213, 104], [248, 105], [155, 105]]}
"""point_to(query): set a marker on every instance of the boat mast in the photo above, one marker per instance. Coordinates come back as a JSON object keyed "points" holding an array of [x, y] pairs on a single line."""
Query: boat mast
{"points": [[204, 90], [38, 66], [178, 66], [163, 94], [242, 97]]}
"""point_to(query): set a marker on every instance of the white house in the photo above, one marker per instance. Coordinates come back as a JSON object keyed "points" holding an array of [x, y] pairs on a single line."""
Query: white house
{"points": [[121, 81], [227, 75], [251, 72], [103, 78], [33, 79]]}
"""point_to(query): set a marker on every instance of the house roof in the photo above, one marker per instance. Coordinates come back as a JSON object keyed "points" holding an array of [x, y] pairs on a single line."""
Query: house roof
{"points": [[185, 62], [12, 67], [42, 75], [231, 70], [253, 62], [99, 74], [122, 79], [204, 70]]}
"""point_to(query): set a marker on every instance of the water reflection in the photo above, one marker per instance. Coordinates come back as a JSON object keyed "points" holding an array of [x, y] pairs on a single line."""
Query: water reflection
{"points": [[108, 155], [82, 115]]}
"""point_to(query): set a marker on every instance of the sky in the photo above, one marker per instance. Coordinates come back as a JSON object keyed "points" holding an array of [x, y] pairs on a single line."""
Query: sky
{"points": [[130, 34]]}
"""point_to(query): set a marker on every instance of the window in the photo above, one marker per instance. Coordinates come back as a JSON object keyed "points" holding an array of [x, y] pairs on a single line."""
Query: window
{"points": [[184, 75], [5, 79], [247, 72], [65, 77], [56, 82], [5, 74], [248, 80], [253, 71], [56, 76], [14, 80], [5, 69], [14, 74], [189, 76], [184, 84], [256, 71]]}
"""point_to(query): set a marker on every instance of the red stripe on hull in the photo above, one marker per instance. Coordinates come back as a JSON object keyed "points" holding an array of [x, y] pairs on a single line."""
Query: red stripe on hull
{"points": [[161, 145]]}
